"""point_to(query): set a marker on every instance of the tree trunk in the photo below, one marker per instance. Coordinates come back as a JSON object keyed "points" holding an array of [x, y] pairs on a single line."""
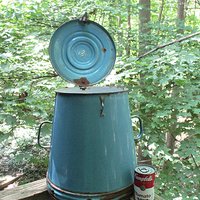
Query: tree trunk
{"points": [[128, 45], [120, 37], [144, 41], [180, 16], [160, 15], [170, 137], [120, 33], [144, 29], [171, 141], [161, 11]]}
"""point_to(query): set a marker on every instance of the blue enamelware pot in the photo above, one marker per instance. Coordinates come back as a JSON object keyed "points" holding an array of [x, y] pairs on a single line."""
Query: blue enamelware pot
{"points": [[92, 148]]}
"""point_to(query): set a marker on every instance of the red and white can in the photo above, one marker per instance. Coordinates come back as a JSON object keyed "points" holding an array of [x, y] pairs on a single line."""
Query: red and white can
{"points": [[144, 182]]}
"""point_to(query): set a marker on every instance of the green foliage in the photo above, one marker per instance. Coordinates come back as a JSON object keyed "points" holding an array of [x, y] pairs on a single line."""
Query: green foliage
{"points": [[164, 86], [168, 100], [20, 154]]}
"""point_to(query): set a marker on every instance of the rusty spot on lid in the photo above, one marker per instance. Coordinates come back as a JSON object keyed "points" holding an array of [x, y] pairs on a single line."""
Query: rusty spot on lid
{"points": [[104, 50], [83, 83]]}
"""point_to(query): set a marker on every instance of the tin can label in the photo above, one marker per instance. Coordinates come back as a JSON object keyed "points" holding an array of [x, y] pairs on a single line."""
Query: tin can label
{"points": [[144, 182]]}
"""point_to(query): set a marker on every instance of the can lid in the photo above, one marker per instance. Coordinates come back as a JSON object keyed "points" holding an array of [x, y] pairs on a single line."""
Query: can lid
{"points": [[145, 169], [82, 52]]}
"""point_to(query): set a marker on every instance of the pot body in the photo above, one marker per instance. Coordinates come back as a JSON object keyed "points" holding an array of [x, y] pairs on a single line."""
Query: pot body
{"points": [[92, 145]]}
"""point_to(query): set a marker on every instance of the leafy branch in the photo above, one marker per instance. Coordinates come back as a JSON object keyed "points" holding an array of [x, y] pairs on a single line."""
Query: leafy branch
{"points": [[49, 24], [194, 160], [168, 44], [9, 78], [45, 76]]}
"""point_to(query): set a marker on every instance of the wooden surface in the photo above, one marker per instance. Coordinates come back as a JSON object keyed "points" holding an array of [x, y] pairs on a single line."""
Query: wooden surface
{"points": [[36, 190], [7, 180]]}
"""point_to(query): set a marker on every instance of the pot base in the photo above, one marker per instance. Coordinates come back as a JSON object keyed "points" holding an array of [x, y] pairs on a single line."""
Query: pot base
{"points": [[60, 194]]}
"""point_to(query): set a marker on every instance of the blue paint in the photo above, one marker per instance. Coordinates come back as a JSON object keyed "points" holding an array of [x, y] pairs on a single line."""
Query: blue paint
{"points": [[80, 49], [90, 152]]}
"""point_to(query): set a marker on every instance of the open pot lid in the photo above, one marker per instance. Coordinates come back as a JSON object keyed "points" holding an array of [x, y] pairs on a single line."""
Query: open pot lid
{"points": [[82, 52]]}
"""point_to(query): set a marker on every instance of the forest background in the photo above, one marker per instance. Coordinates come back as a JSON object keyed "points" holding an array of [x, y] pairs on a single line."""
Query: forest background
{"points": [[164, 84]]}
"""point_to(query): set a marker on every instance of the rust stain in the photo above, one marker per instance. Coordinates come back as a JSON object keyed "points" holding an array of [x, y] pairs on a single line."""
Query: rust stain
{"points": [[83, 83], [104, 50]]}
